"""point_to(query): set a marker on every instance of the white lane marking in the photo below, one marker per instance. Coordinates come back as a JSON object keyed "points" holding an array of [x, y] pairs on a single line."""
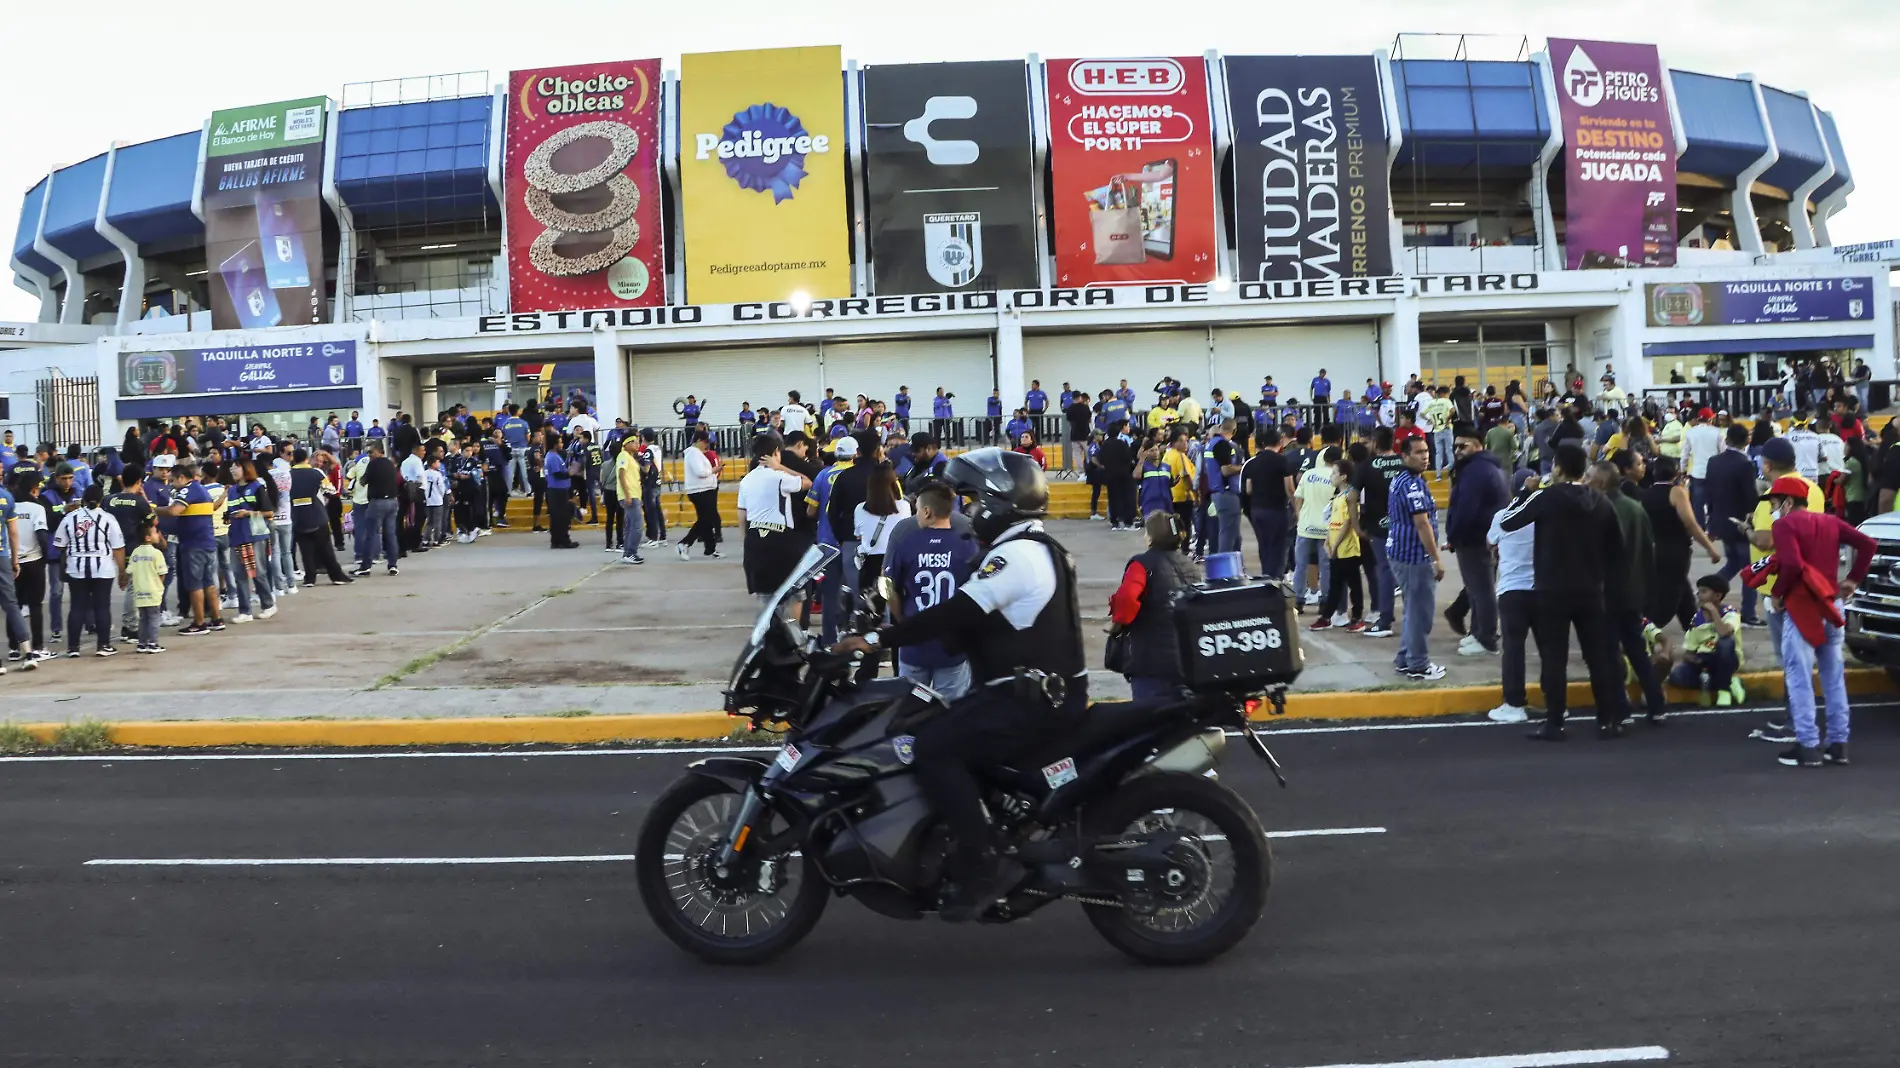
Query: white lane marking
{"points": [[714, 750], [341, 862], [1323, 832], [1532, 1060]]}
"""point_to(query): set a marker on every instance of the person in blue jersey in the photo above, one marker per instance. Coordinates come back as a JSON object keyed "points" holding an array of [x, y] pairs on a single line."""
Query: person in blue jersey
{"points": [[818, 501], [1036, 402], [514, 434], [900, 407], [927, 566], [560, 492]]}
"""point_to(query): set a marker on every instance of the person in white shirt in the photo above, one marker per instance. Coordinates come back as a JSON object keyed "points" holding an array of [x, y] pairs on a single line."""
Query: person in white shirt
{"points": [[794, 417], [435, 497], [1700, 444], [702, 489], [29, 526], [94, 552], [580, 421], [772, 547], [1807, 447], [1833, 449], [1516, 604], [875, 520]]}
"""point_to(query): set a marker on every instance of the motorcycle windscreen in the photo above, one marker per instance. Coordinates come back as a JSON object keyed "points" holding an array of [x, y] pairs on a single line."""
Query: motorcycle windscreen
{"points": [[809, 567]]}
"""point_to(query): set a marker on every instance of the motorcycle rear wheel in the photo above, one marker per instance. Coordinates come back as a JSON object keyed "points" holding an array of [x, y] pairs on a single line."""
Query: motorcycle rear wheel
{"points": [[1191, 931], [743, 922]]}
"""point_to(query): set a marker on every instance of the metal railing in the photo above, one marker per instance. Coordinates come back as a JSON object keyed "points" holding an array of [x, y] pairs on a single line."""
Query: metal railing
{"points": [[1752, 398]]}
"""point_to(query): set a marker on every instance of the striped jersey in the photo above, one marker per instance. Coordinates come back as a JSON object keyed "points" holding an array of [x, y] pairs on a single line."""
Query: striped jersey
{"points": [[88, 536], [1407, 497]]}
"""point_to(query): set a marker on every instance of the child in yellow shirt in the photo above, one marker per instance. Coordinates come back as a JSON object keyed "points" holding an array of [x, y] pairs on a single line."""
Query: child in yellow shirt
{"points": [[145, 571]]}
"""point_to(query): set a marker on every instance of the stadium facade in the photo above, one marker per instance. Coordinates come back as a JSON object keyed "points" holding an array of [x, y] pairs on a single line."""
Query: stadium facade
{"points": [[742, 227]]}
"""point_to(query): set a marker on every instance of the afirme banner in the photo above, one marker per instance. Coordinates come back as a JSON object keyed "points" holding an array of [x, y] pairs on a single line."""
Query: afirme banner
{"points": [[263, 210], [762, 159], [1763, 300], [1310, 167], [582, 178], [1132, 156], [238, 369], [949, 161], [1619, 155]]}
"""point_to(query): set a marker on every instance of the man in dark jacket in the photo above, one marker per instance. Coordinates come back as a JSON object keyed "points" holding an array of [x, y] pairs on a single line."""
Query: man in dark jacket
{"points": [[1577, 538], [1116, 458], [1624, 589], [1731, 498], [1478, 492]]}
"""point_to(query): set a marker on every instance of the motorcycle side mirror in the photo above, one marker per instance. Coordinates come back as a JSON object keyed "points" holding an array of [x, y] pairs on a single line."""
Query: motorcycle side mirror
{"points": [[887, 588]]}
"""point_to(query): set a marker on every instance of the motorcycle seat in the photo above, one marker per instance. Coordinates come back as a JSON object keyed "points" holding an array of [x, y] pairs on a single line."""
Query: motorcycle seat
{"points": [[1105, 723]]}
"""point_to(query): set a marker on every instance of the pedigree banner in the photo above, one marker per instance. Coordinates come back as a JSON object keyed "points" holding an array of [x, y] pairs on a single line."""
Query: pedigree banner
{"points": [[1619, 155], [1132, 157], [582, 183], [762, 161], [1310, 167]]}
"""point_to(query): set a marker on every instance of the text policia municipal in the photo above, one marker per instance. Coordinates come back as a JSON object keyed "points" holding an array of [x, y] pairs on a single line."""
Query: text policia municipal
{"points": [[1022, 300]]}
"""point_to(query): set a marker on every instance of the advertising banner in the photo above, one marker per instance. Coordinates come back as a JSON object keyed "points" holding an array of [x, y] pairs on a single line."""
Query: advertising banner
{"points": [[581, 175], [263, 204], [240, 369], [948, 162], [1310, 167], [762, 158], [1782, 300], [1132, 155], [1619, 155]]}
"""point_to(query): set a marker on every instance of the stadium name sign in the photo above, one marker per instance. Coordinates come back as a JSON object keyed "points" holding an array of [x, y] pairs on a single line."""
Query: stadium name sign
{"points": [[1097, 297]]}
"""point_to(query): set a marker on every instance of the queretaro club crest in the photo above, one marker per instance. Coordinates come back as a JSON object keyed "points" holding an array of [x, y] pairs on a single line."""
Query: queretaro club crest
{"points": [[336, 374], [953, 247]]}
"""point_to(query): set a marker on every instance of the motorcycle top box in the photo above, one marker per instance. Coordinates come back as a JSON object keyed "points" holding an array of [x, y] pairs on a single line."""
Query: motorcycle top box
{"points": [[1239, 634]]}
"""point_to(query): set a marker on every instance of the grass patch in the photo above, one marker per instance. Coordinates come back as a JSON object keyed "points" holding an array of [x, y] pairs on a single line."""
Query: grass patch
{"points": [[15, 739], [429, 659], [572, 713], [745, 735], [83, 736]]}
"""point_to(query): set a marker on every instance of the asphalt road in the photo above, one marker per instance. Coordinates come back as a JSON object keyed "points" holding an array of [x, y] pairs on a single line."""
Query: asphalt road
{"points": [[1673, 891]]}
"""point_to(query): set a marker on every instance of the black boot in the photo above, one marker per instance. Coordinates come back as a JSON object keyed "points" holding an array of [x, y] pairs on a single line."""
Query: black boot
{"points": [[968, 899]]}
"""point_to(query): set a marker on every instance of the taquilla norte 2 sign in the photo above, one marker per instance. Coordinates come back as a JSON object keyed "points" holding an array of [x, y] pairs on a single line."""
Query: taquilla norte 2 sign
{"points": [[238, 369]]}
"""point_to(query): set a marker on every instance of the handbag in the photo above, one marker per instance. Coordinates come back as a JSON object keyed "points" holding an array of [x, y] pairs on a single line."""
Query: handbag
{"points": [[1116, 654], [1116, 230]]}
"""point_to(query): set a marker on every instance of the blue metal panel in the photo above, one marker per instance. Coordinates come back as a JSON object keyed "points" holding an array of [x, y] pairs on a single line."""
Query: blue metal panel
{"points": [[75, 204], [1724, 129], [30, 225], [150, 200], [1730, 346], [1801, 152], [1455, 113], [262, 402], [425, 161], [1842, 172]]}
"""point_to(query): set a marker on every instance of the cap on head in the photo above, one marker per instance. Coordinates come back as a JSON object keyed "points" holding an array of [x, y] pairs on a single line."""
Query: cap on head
{"points": [[1778, 451], [846, 449], [1790, 486]]}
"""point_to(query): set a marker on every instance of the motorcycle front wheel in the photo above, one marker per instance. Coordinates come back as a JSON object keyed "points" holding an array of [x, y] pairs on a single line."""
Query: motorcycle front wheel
{"points": [[1223, 861], [746, 914]]}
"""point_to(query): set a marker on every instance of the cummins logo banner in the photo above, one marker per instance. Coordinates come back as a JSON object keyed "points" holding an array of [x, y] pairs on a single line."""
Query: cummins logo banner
{"points": [[1310, 167], [1619, 155], [948, 164]]}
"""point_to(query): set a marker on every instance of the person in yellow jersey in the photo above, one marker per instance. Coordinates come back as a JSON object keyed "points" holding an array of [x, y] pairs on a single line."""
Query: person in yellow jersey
{"points": [[1778, 460], [1436, 415], [1180, 476]]}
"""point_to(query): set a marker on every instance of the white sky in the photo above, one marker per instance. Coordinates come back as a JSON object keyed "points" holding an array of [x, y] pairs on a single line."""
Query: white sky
{"points": [[74, 81]]}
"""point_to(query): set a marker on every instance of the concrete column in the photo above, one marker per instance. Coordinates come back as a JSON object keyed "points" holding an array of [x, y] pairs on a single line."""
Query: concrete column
{"points": [[41, 287], [1741, 208], [132, 293], [1399, 355], [72, 311], [369, 377], [1797, 213], [611, 395], [344, 307], [1550, 252], [429, 399], [504, 385], [1009, 355]]}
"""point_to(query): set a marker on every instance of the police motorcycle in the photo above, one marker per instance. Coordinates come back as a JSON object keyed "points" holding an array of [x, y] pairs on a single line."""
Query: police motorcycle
{"points": [[737, 860]]}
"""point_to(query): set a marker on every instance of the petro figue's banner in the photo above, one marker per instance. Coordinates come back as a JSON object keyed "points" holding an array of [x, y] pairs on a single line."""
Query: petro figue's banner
{"points": [[263, 210], [582, 181], [1311, 170], [762, 159], [1619, 155], [1131, 152], [949, 158]]}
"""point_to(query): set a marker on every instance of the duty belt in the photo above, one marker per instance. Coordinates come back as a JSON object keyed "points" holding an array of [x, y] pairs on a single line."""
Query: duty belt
{"points": [[1031, 684]]}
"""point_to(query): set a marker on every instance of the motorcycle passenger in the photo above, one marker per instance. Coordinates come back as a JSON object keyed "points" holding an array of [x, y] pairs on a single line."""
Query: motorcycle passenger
{"points": [[1017, 620], [1142, 608]]}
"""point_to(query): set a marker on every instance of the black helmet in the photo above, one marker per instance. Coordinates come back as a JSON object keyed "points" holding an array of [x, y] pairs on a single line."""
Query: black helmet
{"points": [[1004, 488]]}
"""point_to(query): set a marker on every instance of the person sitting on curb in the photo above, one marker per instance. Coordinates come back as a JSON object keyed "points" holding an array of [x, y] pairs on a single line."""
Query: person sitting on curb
{"points": [[1711, 653]]}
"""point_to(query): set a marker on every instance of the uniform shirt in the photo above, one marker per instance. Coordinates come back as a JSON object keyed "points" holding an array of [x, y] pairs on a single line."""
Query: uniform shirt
{"points": [[690, 413], [435, 487], [1269, 395], [131, 510], [30, 519], [1035, 400], [554, 469], [1113, 411], [494, 454], [929, 565], [940, 408], [795, 418], [821, 495], [146, 565], [1701, 637], [88, 536], [353, 429], [1516, 567], [1807, 452], [377, 433], [514, 431], [57, 504], [765, 495], [1408, 497], [901, 402], [194, 527], [1015, 579], [1314, 492], [1437, 413], [1126, 396], [1321, 388], [1181, 471]]}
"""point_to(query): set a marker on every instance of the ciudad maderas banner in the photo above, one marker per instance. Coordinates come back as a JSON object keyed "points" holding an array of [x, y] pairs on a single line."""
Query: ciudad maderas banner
{"points": [[1131, 154], [762, 157], [1619, 155], [1310, 167], [582, 181], [948, 163], [263, 210]]}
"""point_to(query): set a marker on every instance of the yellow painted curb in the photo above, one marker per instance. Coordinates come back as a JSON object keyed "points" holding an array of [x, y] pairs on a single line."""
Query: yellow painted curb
{"points": [[575, 730]]}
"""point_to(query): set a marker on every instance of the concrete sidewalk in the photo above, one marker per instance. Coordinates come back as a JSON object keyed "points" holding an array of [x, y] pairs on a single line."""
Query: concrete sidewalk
{"points": [[509, 627]]}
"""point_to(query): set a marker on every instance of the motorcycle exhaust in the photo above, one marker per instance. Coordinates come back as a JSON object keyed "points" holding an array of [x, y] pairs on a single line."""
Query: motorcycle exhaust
{"points": [[1196, 756]]}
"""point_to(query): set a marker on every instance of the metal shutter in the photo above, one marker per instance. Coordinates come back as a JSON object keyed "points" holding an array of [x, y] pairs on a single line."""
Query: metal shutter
{"points": [[1095, 362], [876, 368], [1243, 355], [721, 379]]}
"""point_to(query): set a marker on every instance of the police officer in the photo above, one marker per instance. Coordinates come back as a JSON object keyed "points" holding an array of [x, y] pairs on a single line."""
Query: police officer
{"points": [[310, 519], [1017, 620]]}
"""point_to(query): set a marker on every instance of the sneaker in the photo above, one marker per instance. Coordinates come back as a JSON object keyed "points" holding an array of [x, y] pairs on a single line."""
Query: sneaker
{"points": [[217, 623], [291, 590], [394, 571], [1836, 754], [716, 555], [1094, 516], [681, 550], [243, 617], [15, 654], [107, 651], [1457, 623], [484, 532], [57, 635], [361, 571], [170, 619], [152, 648], [1473, 647], [1321, 624], [632, 560], [1311, 599], [1724, 700], [1357, 626], [41, 656], [72, 654], [1755, 624], [1430, 673], [1777, 733], [229, 602], [1340, 618], [194, 630], [1508, 713], [464, 538], [1378, 630], [267, 612], [612, 549], [1799, 756], [1737, 690], [127, 634]]}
